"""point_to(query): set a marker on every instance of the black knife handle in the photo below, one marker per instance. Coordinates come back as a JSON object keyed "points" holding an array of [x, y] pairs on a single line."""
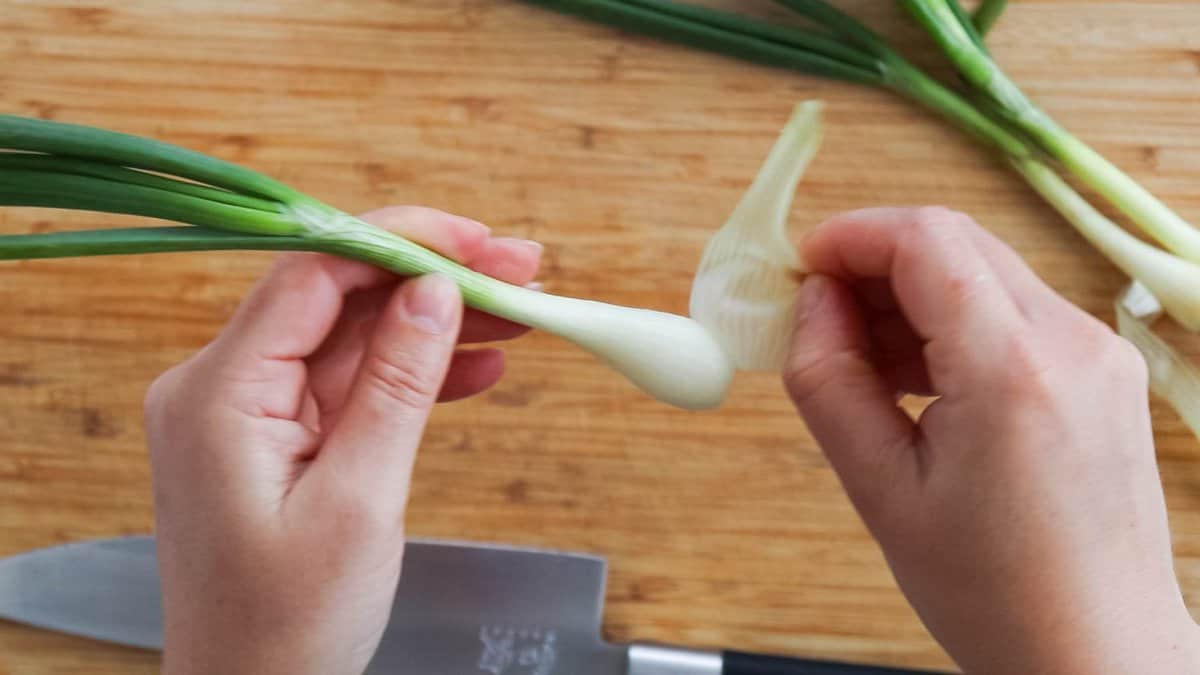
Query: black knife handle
{"points": [[741, 663]]}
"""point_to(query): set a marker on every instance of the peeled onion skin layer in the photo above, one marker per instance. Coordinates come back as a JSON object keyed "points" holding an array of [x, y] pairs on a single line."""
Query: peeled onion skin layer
{"points": [[745, 286]]}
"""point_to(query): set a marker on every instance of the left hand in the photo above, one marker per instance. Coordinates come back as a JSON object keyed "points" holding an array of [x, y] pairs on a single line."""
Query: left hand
{"points": [[282, 451]]}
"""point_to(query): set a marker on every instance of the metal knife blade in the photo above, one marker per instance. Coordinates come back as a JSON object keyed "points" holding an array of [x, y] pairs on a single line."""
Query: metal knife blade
{"points": [[104, 590], [460, 608], [466, 608]]}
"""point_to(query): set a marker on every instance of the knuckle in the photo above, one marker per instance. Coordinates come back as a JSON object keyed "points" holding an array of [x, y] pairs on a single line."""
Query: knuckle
{"points": [[1104, 352], [946, 229], [161, 392], [1032, 369], [156, 393], [936, 224], [1025, 368], [1023, 354], [172, 415], [401, 377], [807, 376], [186, 399], [935, 221], [959, 289], [1126, 362]]}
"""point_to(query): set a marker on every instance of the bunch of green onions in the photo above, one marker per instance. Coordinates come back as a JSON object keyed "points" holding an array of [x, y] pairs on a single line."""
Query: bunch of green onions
{"points": [[676, 359], [986, 104], [228, 207]]}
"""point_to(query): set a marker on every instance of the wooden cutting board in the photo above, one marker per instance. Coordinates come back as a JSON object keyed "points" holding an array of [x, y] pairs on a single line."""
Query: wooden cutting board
{"points": [[724, 529]]}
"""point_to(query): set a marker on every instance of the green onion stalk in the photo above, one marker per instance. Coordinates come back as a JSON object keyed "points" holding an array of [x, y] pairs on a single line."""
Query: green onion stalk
{"points": [[942, 22], [228, 207], [834, 44]]}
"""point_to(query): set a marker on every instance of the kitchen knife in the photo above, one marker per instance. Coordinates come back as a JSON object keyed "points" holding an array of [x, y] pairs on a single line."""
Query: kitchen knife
{"points": [[460, 609]]}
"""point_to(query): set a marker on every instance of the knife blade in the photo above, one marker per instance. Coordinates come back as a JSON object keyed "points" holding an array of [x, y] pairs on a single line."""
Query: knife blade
{"points": [[460, 609]]}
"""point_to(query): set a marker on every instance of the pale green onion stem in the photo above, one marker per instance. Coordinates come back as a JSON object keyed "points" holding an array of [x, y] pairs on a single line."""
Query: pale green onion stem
{"points": [[1173, 280]]}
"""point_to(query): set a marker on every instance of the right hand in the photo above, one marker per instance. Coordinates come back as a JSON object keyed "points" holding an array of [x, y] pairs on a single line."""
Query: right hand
{"points": [[1022, 512]]}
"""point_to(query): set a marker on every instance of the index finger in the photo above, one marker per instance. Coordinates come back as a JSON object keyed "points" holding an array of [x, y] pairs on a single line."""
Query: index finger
{"points": [[953, 298], [291, 311]]}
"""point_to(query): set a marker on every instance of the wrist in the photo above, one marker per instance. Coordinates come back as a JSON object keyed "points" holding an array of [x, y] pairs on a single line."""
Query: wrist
{"points": [[222, 655], [1168, 649], [1167, 644]]}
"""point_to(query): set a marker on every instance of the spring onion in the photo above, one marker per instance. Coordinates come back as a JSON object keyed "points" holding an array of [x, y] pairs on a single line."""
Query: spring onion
{"points": [[1173, 280], [745, 288], [989, 107], [1089, 166], [56, 165]]}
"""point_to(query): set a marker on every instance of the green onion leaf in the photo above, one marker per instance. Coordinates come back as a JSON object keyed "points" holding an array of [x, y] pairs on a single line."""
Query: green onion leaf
{"points": [[142, 240], [70, 140], [120, 174], [722, 33], [25, 187], [987, 14]]}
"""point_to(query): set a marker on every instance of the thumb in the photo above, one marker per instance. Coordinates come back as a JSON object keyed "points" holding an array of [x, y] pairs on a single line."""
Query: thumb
{"points": [[376, 437], [846, 403]]}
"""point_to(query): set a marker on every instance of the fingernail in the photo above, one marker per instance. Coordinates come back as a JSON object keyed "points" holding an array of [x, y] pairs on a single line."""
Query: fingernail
{"points": [[478, 225], [431, 302], [802, 246], [812, 292], [529, 244]]}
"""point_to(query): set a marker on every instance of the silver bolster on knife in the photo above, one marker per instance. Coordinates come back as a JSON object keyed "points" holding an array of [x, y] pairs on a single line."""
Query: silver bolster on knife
{"points": [[652, 660]]}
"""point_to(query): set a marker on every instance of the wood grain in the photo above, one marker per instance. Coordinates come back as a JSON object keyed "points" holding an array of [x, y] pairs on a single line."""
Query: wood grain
{"points": [[621, 154]]}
